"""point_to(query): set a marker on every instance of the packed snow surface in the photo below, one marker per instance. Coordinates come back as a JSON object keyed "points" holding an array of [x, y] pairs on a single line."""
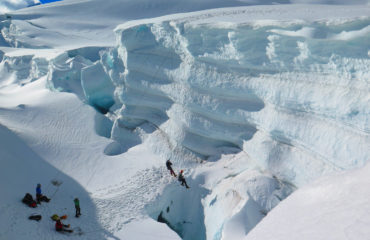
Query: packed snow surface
{"points": [[253, 102]]}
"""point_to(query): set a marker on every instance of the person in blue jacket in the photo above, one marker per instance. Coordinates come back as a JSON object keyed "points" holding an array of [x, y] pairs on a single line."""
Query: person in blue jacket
{"points": [[39, 196], [38, 193]]}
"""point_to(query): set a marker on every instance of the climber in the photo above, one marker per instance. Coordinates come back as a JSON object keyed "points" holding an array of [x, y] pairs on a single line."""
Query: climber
{"points": [[77, 207], [39, 196], [60, 227], [182, 179], [169, 167]]}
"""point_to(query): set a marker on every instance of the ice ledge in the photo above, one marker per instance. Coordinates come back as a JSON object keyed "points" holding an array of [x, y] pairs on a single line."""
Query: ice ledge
{"points": [[262, 15]]}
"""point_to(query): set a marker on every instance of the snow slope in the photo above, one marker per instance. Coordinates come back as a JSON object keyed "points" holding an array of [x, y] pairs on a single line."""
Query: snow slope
{"points": [[71, 24], [72, 148], [335, 207], [253, 102]]}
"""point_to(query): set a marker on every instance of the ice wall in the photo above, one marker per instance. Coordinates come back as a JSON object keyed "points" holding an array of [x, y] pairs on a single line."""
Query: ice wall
{"points": [[291, 97], [294, 96]]}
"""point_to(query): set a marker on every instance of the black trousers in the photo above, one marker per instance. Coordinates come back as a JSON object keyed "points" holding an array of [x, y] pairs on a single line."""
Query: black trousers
{"points": [[183, 182], [38, 198], [78, 211]]}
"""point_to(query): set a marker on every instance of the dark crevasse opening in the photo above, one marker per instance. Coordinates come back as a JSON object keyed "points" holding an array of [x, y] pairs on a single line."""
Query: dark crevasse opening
{"points": [[181, 209]]}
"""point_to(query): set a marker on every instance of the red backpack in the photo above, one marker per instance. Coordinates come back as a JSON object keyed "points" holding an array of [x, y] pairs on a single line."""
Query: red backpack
{"points": [[58, 225]]}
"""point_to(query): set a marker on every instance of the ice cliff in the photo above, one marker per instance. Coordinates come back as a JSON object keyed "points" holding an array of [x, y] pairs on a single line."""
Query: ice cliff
{"points": [[293, 97]]}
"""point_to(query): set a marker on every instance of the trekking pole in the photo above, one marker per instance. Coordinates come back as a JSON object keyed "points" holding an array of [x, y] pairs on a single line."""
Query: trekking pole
{"points": [[54, 192]]}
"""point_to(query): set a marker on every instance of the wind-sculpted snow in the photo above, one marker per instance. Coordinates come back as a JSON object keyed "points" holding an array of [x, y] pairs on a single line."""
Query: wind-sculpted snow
{"points": [[11, 5]]}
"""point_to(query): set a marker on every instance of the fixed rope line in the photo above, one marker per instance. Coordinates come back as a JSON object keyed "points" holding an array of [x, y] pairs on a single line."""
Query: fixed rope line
{"points": [[55, 179], [91, 177]]}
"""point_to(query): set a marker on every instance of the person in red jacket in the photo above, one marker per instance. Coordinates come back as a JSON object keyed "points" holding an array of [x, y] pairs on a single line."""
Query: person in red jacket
{"points": [[60, 227], [181, 179]]}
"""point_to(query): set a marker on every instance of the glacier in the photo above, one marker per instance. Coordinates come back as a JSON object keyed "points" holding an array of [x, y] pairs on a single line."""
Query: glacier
{"points": [[253, 102]]}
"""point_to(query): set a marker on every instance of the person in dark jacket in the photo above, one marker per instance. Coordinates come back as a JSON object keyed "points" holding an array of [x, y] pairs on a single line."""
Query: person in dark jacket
{"points": [[77, 207], [60, 227], [182, 179], [28, 199], [169, 167]]}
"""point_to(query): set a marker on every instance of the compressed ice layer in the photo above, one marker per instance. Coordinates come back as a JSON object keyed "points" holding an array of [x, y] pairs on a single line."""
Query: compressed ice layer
{"points": [[97, 87], [75, 72], [303, 87], [65, 73]]}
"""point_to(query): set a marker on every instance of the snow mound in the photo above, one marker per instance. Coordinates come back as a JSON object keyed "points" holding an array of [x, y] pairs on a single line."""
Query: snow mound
{"points": [[333, 207]]}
